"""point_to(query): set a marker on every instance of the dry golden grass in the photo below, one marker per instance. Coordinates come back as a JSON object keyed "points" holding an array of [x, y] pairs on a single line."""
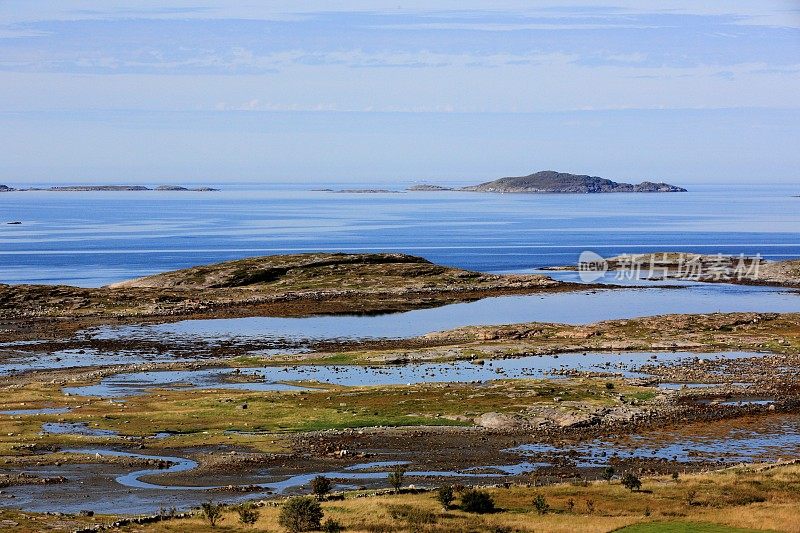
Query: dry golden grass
{"points": [[743, 498]]}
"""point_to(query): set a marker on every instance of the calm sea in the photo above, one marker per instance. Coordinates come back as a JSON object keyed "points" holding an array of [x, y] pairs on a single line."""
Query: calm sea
{"points": [[91, 239]]}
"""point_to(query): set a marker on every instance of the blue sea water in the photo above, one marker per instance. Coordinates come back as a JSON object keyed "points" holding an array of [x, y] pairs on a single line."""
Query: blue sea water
{"points": [[95, 238]]}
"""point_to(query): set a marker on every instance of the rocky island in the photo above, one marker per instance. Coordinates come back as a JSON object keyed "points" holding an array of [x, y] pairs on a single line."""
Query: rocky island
{"points": [[549, 181]]}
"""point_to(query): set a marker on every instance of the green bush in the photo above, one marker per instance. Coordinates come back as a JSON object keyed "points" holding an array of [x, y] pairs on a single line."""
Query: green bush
{"points": [[540, 504], [301, 513], [445, 496], [631, 481], [477, 501], [248, 514]]}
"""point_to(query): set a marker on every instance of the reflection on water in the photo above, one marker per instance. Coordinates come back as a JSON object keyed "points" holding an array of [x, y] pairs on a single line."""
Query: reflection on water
{"points": [[572, 308], [271, 378]]}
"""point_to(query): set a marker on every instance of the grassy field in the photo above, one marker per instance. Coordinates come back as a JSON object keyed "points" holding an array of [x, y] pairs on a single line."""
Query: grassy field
{"points": [[737, 500], [207, 417]]}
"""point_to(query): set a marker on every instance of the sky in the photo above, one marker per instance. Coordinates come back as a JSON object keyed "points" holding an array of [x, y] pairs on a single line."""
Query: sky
{"points": [[222, 91]]}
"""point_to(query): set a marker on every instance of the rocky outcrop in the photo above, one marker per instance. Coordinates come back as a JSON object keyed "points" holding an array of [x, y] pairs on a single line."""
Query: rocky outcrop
{"points": [[281, 285], [318, 272], [741, 269], [499, 421]]}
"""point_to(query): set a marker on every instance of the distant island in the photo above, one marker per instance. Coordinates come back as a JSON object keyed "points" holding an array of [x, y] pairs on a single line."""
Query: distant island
{"points": [[111, 188], [549, 181], [426, 187]]}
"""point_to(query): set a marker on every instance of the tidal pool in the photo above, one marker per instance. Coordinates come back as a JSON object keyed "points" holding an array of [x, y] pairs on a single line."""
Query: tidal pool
{"points": [[76, 428], [33, 412], [275, 378], [573, 308]]}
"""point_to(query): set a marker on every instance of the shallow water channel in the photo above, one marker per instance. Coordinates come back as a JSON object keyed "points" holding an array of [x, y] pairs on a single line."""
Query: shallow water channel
{"points": [[291, 377]]}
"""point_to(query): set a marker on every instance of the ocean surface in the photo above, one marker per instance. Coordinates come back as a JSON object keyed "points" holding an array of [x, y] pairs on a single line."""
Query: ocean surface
{"points": [[95, 238]]}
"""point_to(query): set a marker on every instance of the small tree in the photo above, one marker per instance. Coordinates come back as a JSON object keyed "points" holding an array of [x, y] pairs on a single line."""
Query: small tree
{"points": [[301, 513], [396, 477], [477, 501], [445, 496], [248, 514], [540, 504], [608, 473], [321, 486], [212, 512], [631, 481]]}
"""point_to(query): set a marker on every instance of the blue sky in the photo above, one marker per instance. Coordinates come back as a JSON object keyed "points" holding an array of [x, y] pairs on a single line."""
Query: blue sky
{"points": [[193, 91]]}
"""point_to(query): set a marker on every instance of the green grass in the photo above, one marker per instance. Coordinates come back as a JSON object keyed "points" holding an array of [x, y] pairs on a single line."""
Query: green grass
{"points": [[683, 527]]}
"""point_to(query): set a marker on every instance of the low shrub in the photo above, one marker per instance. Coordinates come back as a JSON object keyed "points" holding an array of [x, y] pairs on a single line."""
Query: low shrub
{"points": [[477, 501], [301, 513], [248, 514]]}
